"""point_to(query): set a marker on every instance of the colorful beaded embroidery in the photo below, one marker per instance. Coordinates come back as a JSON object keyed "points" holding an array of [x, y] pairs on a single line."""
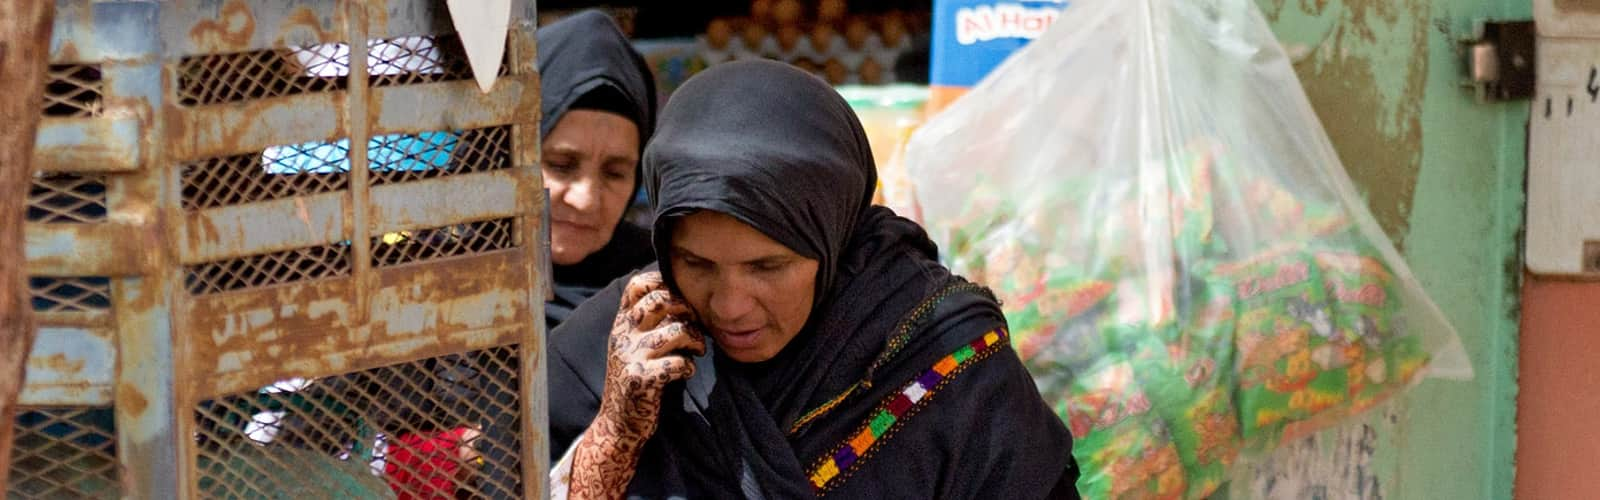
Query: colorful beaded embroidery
{"points": [[897, 408], [898, 341]]}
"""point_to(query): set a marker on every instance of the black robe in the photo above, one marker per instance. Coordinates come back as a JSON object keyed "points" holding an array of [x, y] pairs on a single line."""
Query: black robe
{"points": [[901, 384], [581, 57]]}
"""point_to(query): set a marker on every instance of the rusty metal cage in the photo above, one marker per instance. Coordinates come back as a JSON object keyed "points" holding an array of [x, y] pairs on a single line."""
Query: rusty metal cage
{"points": [[283, 248]]}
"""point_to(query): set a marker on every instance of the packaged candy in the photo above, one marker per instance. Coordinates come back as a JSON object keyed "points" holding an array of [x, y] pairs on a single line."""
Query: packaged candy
{"points": [[1191, 386], [1283, 317], [1123, 449], [1058, 306], [1189, 274]]}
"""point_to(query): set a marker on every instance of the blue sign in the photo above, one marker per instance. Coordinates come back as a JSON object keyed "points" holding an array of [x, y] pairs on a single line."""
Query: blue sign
{"points": [[971, 37]]}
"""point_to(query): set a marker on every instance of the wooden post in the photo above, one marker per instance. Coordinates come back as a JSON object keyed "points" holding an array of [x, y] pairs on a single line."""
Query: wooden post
{"points": [[24, 56]]}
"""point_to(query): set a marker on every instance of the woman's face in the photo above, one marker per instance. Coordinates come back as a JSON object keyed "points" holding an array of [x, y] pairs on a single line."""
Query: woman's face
{"points": [[588, 159], [753, 294]]}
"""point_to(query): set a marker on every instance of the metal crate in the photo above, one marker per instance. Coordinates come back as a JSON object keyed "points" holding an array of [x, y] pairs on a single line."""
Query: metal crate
{"points": [[236, 300]]}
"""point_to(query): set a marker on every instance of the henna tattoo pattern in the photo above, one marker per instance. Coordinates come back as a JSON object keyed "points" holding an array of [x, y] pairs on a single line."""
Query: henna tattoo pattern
{"points": [[651, 332]]}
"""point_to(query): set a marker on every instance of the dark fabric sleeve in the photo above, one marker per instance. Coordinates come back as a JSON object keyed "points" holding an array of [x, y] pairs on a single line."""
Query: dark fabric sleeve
{"points": [[1007, 441], [577, 366], [986, 434]]}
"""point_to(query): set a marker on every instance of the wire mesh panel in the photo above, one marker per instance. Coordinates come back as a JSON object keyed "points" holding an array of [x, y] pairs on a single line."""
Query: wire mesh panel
{"points": [[81, 294], [418, 59], [280, 172], [58, 197], [64, 452], [411, 157], [324, 166], [220, 78], [443, 427], [407, 60], [277, 268], [73, 91], [452, 241]]}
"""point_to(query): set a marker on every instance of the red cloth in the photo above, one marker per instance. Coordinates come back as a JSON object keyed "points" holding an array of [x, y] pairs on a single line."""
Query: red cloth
{"points": [[425, 466]]}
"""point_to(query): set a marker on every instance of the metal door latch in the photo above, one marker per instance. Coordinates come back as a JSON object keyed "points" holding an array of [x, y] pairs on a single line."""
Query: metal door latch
{"points": [[1501, 60]]}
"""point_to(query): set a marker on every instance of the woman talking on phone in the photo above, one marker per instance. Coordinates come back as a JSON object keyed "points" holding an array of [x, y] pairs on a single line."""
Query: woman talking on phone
{"points": [[796, 341]]}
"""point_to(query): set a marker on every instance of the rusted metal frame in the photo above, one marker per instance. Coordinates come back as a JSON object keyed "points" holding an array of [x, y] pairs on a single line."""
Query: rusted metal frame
{"points": [[79, 367], [196, 27], [533, 421], [240, 230], [73, 360], [108, 35], [531, 202], [103, 249], [96, 31], [447, 200], [87, 145], [251, 126], [430, 17], [357, 119], [151, 419], [74, 319], [375, 356], [455, 105], [70, 367], [235, 231], [110, 142], [250, 338], [396, 18], [25, 27], [227, 330]]}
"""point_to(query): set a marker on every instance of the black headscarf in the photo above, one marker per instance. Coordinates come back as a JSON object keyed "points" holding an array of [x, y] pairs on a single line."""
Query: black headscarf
{"points": [[585, 62], [781, 151]]}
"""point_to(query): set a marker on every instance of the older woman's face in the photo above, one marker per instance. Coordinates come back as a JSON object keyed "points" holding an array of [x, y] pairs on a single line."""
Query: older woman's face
{"points": [[588, 161], [753, 294]]}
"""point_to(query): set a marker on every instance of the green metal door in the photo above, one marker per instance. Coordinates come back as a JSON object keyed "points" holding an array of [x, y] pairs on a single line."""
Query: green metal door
{"points": [[1443, 174]]}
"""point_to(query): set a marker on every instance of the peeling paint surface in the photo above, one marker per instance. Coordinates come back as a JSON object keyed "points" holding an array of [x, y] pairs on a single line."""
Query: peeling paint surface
{"points": [[90, 249], [68, 145], [249, 338], [1443, 175], [435, 203], [1578, 5], [1365, 74], [70, 366], [1343, 463], [216, 26], [264, 227], [164, 338]]}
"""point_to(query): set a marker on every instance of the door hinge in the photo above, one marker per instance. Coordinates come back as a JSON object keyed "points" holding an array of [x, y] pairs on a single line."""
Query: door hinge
{"points": [[1500, 60]]}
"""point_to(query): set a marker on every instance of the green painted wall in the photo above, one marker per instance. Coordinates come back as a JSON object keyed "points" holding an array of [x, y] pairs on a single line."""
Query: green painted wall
{"points": [[1444, 175]]}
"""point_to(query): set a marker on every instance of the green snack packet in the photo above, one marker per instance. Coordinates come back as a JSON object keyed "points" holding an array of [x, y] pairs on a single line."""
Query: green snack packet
{"points": [[1283, 318], [1371, 348], [1062, 325], [1190, 384], [1124, 450], [1067, 313]]}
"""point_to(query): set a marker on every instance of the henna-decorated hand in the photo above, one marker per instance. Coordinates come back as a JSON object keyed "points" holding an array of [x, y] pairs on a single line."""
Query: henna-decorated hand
{"points": [[651, 343]]}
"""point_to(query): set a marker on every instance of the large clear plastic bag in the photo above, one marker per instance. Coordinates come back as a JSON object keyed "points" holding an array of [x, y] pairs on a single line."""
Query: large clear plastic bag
{"points": [[1186, 266]]}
